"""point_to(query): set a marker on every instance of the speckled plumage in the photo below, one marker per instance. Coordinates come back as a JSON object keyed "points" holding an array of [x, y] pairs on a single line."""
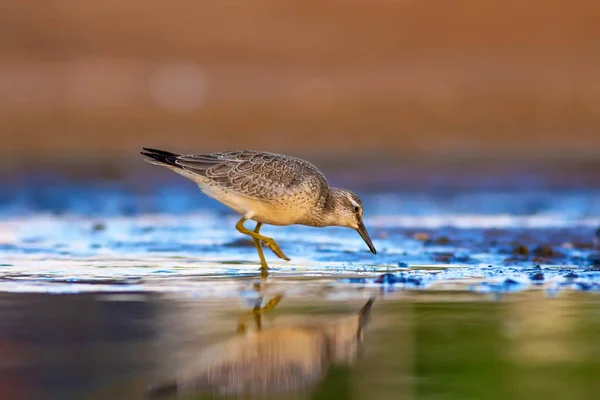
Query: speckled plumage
{"points": [[261, 175], [282, 182], [268, 188]]}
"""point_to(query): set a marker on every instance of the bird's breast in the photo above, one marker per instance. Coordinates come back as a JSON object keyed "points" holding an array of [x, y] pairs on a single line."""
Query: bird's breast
{"points": [[289, 209], [281, 212]]}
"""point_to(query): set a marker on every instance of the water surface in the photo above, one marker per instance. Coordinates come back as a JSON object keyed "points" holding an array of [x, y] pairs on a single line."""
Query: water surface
{"points": [[108, 294], [417, 344]]}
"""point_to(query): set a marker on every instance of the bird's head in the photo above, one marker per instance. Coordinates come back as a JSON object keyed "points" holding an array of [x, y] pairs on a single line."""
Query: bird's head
{"points": [[346, 209]]}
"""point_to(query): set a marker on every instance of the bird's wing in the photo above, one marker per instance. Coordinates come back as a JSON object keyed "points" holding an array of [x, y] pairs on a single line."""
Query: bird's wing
{"points": [[254, 174]]}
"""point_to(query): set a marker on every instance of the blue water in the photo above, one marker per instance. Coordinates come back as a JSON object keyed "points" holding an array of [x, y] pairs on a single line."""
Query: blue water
{"points": [[108, 289], [69, 237]]}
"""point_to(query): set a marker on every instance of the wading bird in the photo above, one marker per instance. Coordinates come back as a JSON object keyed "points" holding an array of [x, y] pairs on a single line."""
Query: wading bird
{"points": [[270, 189]]}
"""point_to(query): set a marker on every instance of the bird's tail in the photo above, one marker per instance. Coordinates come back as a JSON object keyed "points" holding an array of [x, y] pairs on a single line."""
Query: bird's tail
{"points": [[160, 157]]}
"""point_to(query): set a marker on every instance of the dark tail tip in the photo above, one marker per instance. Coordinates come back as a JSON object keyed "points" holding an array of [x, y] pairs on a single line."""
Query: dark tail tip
{"points": [[160, 152], [165, 157]]}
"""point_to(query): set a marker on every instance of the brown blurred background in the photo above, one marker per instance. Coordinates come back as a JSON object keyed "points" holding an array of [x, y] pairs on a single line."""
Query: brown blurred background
{"points": [[88, 83]]}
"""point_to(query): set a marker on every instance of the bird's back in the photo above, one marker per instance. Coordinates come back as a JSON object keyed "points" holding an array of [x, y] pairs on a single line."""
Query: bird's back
{"points": [[272, 188], [260, 175]]}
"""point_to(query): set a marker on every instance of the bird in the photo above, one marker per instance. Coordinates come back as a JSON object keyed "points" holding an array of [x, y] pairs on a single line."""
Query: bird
{"points": [[268, 188], [278, 359]]}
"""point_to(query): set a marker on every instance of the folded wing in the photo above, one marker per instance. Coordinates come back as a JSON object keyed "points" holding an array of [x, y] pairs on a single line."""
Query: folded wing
{"points": [[254, 174]]}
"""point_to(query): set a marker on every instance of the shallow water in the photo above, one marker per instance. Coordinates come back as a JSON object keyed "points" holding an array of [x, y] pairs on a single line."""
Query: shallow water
{"points": [[106, 293], [416, 345]]}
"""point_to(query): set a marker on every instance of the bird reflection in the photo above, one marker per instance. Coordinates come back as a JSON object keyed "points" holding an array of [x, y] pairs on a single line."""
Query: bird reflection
{"points": [[272, 360]]}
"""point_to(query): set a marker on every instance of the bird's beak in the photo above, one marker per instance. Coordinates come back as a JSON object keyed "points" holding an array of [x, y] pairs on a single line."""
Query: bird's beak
{"points": [[362, 231]]}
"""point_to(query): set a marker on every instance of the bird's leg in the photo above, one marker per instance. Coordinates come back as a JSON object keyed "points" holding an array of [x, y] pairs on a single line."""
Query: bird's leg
{"points": [[258, 244], [264, 273], [257, 312], [267, 240], [271, 304]]}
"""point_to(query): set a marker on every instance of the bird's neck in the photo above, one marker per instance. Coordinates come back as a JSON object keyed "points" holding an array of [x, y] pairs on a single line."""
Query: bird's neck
{"points": [[324, 214]]}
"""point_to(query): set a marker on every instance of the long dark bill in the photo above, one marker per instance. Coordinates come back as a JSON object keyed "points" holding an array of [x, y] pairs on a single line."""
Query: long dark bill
{"points": [[362, 231]]}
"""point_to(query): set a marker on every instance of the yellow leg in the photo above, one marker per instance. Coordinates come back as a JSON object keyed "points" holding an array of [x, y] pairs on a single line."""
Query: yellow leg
{"points": [[270, 243], [272, 303], [257, 314], [258, 244], [258, 320], [264, 273]]}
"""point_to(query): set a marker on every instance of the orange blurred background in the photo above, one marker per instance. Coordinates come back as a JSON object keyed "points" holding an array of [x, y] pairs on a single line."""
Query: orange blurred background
{"points": [[87, 83]]}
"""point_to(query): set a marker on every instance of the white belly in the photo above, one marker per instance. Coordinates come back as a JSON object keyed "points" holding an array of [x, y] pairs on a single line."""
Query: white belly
{"points": [[251, 208]]}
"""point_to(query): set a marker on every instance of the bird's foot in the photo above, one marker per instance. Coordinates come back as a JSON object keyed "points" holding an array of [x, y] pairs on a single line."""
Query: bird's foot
{"points": [[264, 270], [257, 313], [264, 273], [275, 249]]}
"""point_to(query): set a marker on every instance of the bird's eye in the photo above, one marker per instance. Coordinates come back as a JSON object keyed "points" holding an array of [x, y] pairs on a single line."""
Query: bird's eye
{"points": [[356, 209]]}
